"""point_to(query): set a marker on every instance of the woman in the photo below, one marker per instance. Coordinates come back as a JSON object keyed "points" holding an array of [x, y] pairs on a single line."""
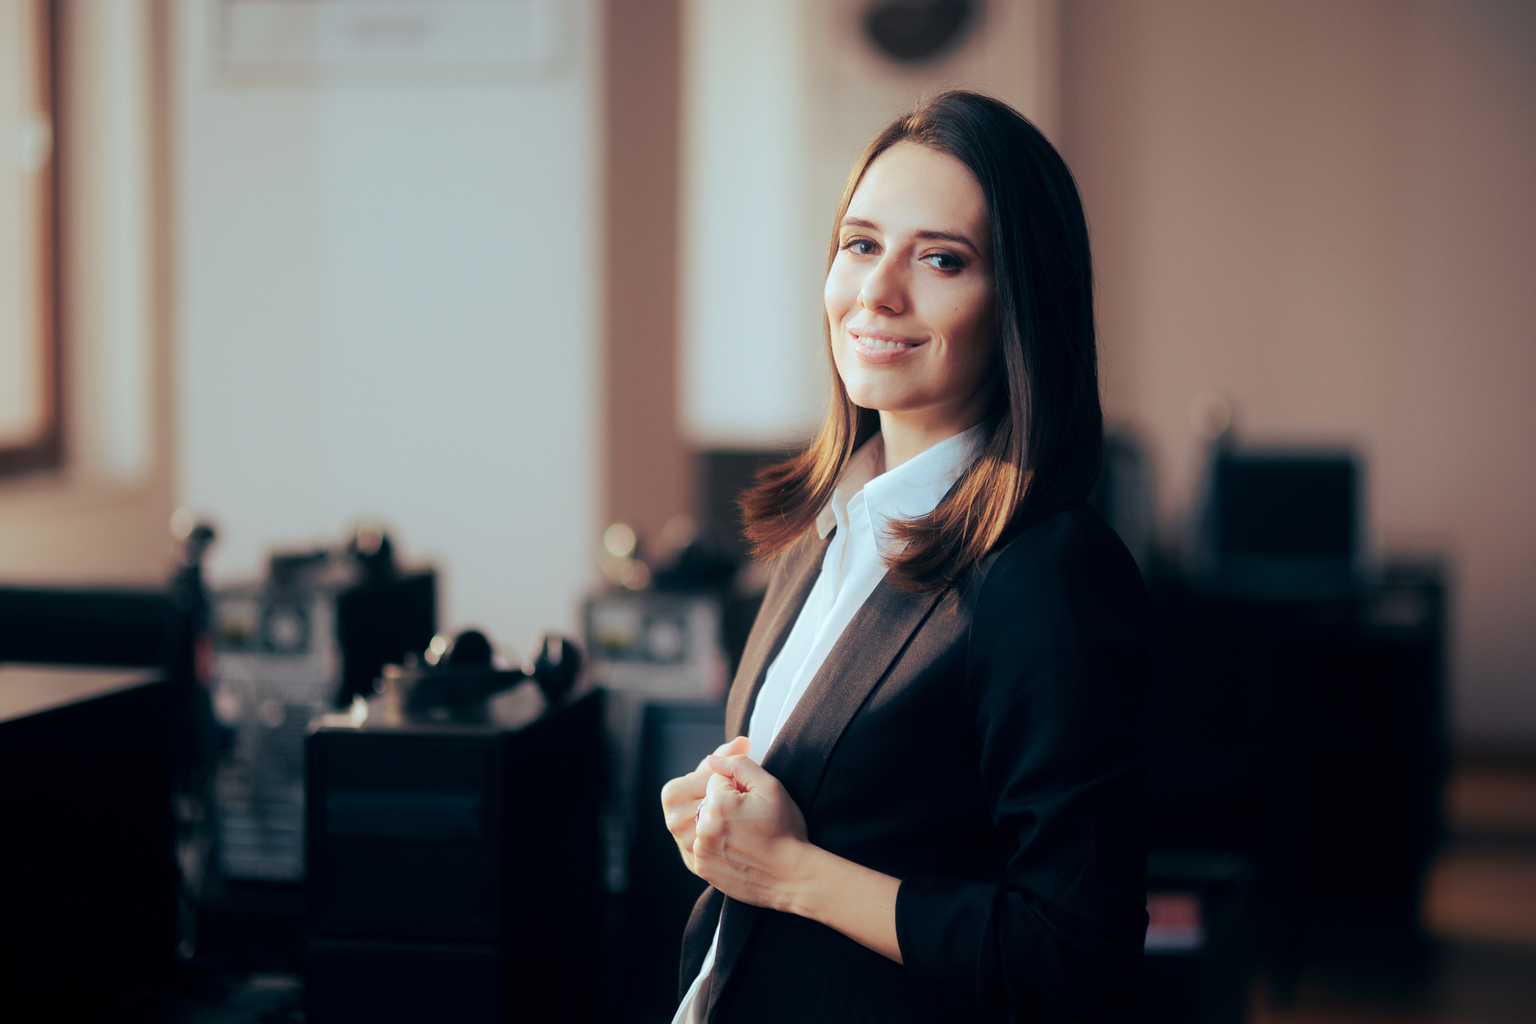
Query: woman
{"points": [[934, 813]]}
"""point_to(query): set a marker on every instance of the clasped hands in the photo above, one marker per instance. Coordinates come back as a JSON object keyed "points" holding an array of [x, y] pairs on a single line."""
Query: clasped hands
{"points": [[738, 829]]}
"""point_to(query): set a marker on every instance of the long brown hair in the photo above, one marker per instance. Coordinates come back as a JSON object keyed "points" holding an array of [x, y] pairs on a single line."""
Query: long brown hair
{"points": [[1043, 425]]}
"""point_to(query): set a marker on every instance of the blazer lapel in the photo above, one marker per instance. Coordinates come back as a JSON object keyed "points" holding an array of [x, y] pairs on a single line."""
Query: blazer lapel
{"points": [[697, 936], [856, 664], [781, 608], [798, 758]]}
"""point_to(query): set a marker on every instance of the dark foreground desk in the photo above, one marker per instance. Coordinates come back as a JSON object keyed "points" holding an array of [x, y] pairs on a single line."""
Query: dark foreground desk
{"points": [[455, 871], [87, 876]]}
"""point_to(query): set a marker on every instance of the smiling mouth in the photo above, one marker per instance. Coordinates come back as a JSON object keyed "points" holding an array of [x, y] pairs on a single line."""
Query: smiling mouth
{"points": [[879, 349]]}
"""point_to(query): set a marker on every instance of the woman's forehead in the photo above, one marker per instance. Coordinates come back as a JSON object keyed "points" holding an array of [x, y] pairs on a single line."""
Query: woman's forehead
{"points": [[912, 187]]}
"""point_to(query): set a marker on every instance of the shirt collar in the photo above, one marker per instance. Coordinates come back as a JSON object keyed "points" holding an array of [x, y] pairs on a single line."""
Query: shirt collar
{"points": [[864, 465], [912, 489]]}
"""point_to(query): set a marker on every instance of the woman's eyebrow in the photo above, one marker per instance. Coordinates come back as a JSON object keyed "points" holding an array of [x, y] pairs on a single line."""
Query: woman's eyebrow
{"points": [[946, 236]]}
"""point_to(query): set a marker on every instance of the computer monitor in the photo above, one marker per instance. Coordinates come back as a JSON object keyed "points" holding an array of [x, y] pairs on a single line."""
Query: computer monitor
{"points": [[1285, 522]]}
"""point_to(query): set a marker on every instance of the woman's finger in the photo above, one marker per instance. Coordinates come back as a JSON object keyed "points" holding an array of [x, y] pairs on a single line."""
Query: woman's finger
{"points": [[712, 819], [683, 789], [681, 817], [739, 745], [744, 772], [717, 784], [683, 799], [690, 786]]}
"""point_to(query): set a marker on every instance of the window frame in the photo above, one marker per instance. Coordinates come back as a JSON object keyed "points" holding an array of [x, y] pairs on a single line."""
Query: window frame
{"points": [[45, 451]]}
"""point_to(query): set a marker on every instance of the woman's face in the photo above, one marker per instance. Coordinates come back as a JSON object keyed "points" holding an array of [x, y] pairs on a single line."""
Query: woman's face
{"points": [[911, 296]]}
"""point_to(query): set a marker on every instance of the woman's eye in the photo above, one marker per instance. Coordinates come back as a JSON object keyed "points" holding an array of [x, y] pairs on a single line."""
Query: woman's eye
{"points": [[943, 261], [860, 246]]}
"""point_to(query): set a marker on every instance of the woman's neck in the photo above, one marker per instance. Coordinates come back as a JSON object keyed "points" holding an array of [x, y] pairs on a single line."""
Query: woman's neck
{"points": [[906, 436]]}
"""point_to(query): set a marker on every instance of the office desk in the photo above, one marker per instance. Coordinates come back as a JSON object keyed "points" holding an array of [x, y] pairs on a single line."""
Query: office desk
{"points": [[87, 876]]}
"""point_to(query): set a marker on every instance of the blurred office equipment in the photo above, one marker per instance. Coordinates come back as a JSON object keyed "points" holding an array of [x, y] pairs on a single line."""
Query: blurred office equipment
{"points": [[720, 475], [383, 614], [652, 646], [315, 633], [1308, 734], [275, 667], [460, 679], [455, 865], [658, 644], [1200, 957], [1297, 707], [650, 650], [1283, 523]]}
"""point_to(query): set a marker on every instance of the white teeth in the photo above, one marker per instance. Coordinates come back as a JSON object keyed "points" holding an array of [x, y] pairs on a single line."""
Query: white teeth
{"points": [[880, 345]]}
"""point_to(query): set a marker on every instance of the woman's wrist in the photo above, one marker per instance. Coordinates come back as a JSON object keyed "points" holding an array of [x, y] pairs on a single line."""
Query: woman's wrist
{"points": [[813, 874], [858, 901]]}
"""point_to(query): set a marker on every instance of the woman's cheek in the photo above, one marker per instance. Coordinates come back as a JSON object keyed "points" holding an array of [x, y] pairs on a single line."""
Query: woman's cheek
{"points": [[847, 365], [975, 336], [836, 294]]}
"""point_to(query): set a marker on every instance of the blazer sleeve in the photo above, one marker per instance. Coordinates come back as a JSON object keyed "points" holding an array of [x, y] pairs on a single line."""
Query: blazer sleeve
{"points": [[1056, 664]]}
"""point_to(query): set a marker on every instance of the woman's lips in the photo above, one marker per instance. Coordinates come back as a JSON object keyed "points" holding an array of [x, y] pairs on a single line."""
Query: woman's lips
{"points": [[880, 347]]}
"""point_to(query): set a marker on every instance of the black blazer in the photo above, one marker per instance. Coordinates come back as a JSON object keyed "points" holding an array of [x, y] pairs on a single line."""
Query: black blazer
{"points": [[984, 745]]}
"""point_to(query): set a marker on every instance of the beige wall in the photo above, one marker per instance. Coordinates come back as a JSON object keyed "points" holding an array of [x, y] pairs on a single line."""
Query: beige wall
{"points": [[1327, 211]]}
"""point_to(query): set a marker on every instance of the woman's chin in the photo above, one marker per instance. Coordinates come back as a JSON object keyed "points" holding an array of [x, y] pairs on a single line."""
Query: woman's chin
{"points": [[881, 399], [883, 386]]}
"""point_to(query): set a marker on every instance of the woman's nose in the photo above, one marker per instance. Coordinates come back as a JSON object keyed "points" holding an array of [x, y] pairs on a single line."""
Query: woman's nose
{"points": [[883, 290]]}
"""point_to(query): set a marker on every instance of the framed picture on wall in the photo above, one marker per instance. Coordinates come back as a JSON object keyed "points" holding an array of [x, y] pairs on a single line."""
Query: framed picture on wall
{"points": [[31, 433], [361, 42]]}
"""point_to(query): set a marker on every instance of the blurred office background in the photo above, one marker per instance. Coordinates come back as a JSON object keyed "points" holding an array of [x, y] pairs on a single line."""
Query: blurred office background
{"points": [[497, 274]]}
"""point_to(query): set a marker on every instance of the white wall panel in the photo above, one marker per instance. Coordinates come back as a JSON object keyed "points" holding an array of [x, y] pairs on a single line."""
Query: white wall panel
{"points": [[389, 307]]}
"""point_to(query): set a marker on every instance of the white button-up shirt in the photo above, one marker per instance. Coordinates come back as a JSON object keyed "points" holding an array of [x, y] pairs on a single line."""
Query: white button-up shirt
{"points": [[863, 504]]}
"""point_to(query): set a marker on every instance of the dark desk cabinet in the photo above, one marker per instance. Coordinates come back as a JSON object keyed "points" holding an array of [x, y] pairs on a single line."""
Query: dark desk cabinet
{"points": [[405, 841], [1309, 736], [455, 870], [87, 875]]}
